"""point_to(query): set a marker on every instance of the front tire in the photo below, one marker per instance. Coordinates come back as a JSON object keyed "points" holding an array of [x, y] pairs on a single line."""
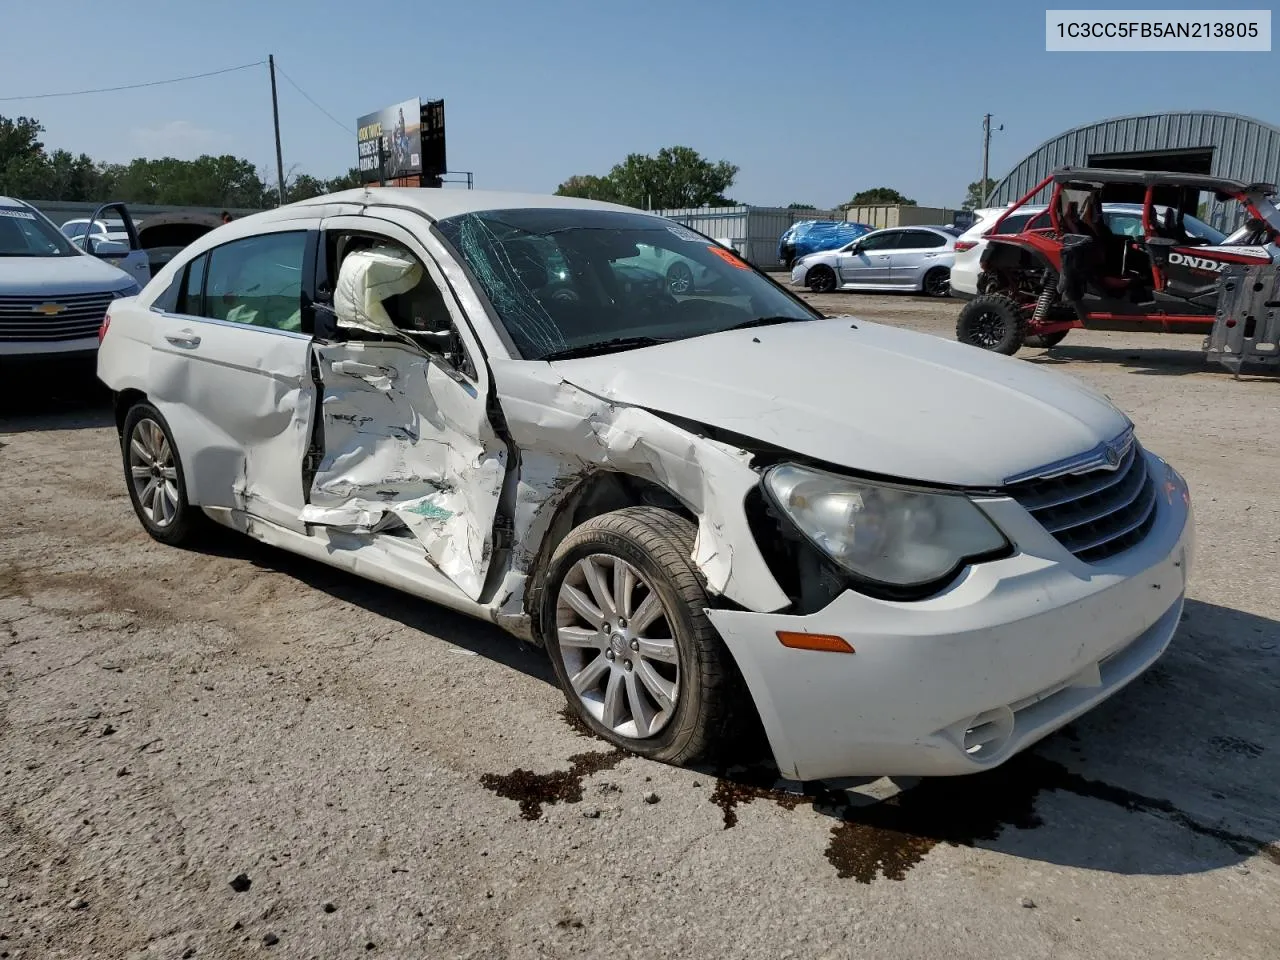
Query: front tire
{"points": [[153, 474], [635, 655], [820, 279], [992, 322]]}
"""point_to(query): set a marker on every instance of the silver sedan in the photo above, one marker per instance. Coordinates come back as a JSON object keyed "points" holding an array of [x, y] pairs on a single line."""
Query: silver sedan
{"points": [[899, 258]]}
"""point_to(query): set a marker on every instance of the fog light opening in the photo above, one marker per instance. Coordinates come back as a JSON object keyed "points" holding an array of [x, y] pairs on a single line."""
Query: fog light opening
{"points": [[987, 734]]}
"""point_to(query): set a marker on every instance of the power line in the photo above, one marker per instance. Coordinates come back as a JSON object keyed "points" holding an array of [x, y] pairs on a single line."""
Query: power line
{"points": [[136, 86], [280, 71]]}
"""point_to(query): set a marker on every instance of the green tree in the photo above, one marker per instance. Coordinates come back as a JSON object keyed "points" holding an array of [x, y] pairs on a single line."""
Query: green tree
{"points": [[879, 196], [977, 194], [304, 187], [348, 181], [588, 187], [674, 177]]}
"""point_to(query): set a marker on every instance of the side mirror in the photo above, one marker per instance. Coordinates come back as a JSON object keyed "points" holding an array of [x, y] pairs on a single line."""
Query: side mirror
{"points": [[107, 248]]}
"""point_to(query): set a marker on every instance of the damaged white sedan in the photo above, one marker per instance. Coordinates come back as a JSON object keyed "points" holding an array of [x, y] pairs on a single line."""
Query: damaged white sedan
{"points": [[906, 556]]}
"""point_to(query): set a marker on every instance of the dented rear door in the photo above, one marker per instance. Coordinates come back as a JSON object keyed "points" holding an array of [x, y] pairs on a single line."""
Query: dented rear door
{"points": [[230, 370], [408, 448]]}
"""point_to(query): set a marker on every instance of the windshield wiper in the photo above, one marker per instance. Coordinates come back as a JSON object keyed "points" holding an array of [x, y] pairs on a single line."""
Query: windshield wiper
{"points": [[765, 322], [603, 346]]}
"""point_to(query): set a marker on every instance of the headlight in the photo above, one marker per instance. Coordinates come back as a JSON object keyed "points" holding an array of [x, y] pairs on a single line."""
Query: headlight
{"points": [[895, 536], [132, 290]]}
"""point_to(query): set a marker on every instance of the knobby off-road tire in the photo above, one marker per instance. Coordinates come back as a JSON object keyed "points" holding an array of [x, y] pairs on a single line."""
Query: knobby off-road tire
{"points": [[992, 322], [710, 697]]}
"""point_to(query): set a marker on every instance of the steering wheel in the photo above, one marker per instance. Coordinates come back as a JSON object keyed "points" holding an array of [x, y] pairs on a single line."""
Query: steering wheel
{"points": [[566, 294]]}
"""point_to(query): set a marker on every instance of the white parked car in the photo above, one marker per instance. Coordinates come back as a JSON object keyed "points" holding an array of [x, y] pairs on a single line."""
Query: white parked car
{"points": [[898, 258], [700, 506], [53, 297]]}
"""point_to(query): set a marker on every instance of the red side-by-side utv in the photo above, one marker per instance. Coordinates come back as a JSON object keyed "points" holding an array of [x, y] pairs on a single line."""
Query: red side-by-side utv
{"points": [[1074, 271]]}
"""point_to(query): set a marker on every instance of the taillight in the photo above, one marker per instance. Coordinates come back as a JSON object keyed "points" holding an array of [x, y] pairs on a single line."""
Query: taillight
{"points": [[102, 330], [963, 245]]}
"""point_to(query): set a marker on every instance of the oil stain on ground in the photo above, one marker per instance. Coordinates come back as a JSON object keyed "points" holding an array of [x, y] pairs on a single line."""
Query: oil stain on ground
{"points": [[890, 837], [535, 790]]}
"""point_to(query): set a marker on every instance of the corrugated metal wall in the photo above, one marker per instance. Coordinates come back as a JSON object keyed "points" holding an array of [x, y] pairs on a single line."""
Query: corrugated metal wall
{"points": [[1243, 148], [754, 231]]}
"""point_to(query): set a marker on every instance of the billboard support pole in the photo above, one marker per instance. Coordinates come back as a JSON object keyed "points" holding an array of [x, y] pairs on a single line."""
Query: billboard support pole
{"points": [[275, 116]]}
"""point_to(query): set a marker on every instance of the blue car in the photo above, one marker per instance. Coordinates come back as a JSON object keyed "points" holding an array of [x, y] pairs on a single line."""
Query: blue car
{"points": [[813, 236]]}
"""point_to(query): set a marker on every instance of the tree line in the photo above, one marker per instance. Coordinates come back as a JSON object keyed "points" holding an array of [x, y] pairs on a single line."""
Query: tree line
{"points": [[680, 177], [31, 171]]}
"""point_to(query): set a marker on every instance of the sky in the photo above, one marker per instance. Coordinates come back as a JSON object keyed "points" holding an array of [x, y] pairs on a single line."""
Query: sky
{"points": [[813, 102]]}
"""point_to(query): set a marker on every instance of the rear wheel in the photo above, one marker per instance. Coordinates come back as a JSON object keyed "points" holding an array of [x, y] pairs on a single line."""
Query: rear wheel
{"points": [[820, 279], [624, 622], [1047, 340], [153, 472], [992, 322], [937, 283]]}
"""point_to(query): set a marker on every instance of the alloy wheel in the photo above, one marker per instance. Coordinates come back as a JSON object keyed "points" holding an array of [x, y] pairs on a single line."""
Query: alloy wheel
{"points": [[617, 645], [153, 472]]}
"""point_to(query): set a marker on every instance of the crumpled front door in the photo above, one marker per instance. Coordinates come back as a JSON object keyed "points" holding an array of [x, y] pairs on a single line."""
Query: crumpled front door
{"points": [[408, 451]]}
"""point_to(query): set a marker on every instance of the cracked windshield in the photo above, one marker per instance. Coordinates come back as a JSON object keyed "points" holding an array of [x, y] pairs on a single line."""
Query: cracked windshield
{"points": [[567, 282]]}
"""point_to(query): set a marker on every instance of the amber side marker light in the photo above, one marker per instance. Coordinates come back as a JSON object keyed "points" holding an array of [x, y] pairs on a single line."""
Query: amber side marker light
{"points": [[825, 642]]}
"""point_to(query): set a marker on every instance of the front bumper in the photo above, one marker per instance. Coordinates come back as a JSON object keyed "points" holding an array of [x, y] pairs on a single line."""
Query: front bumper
{"points": [[84, 346], [1016, 649], [797, 274]]}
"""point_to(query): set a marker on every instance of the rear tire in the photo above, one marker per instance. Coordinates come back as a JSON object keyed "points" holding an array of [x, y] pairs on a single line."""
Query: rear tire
{"points": [[1045, 341], [936, 283], [820, 279], [153, 474], [643, 554], [992, 322]]}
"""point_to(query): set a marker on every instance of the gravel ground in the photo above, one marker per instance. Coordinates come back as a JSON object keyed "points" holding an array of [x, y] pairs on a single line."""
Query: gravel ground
{"points": [[230, 752]]}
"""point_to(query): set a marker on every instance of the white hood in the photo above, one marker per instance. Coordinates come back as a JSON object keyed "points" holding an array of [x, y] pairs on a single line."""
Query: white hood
{"points": [[874, 399], [54, 276]]}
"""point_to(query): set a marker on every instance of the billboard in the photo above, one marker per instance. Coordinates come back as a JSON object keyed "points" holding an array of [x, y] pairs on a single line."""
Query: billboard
{"points": [[390, 142]]}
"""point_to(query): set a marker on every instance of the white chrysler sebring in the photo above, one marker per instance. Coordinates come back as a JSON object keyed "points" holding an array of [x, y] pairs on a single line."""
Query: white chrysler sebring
{"points": [[907, 556]]}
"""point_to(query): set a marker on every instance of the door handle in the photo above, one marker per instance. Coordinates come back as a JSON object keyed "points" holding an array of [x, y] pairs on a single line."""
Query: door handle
{"points": [[184, 339]]}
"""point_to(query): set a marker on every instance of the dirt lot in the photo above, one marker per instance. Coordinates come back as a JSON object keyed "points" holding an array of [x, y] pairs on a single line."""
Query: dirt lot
{"points": [[231, 752]]}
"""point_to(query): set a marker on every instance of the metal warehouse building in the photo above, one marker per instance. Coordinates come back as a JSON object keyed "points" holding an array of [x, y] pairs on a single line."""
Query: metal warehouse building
{"points": [[1217, 144]]}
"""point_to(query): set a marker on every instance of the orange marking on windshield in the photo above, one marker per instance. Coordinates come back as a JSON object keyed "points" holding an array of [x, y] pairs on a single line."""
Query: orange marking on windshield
{"points": [[728, 256]]}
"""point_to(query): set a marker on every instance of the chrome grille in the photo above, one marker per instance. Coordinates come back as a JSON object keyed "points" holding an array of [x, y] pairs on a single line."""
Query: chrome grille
{"points": [[81, 316], [1096, 514]]}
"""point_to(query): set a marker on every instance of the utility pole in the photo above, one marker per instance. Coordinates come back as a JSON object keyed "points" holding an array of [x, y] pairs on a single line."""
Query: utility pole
{"points": [[275, 116], [986, 155]]}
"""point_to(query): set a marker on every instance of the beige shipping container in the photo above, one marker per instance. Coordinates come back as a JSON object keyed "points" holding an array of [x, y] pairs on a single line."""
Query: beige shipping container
{"points": [[899, 215]]}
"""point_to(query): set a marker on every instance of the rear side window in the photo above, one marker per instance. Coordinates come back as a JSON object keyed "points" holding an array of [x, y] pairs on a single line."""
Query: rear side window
{"points": [[920, 240], [1013, 224], [257, 281]]}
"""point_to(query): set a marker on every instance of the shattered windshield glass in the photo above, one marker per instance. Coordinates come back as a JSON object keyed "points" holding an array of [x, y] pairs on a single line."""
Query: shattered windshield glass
{"points": [[565, 281]]}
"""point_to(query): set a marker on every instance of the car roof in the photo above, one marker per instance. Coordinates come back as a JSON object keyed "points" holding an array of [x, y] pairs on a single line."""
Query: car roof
{"points": [[1148, 178], [13, 202], [440, 204]]}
